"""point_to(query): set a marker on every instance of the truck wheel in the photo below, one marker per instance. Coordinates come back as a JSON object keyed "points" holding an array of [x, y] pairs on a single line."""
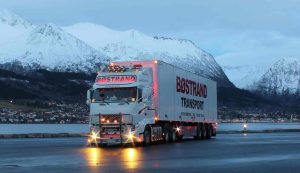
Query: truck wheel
{"points": [[199, 131], [147, 136], [209, 131], [214, 132], [179, 137], [173, 134], [167, 133], [204, 131]]}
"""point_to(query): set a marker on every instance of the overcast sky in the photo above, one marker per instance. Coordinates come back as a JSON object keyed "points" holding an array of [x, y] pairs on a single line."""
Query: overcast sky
{"points": [[236, 32]]}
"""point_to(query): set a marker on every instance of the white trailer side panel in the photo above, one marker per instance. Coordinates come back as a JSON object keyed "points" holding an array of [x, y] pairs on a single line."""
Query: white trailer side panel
{"points": [[174, 105], [213, 101], [166, 86]]}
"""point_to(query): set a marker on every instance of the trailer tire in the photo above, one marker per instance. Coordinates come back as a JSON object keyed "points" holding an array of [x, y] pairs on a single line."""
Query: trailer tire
{"points": [[173, 136], [147, 135], [167, 133], [179, 137], [209, 131], [214, 131], [199, 131], [204, 131]]}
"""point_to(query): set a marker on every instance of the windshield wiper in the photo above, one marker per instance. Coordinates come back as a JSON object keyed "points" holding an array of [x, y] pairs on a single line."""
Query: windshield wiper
{"points": [[124, 101], [104, 102], [102, 96]]}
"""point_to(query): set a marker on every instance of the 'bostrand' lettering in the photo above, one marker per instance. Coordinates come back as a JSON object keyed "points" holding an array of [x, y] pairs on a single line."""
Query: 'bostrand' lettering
{"points": [[116, 79], [191, 87]]}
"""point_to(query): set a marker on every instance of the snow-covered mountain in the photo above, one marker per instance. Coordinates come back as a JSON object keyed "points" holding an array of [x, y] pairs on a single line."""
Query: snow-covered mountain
{"points": [[243, 76], [84, 45], [14, 20], [282, 78], [44, 46], [134, 45], [12, 27]]}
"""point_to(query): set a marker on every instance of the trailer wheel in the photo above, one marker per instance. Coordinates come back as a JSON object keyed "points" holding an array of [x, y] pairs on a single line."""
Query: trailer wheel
{"points": [[173, 135], [167, 133], [199, 131], [214, 131], [147, 135], [204, 131], [179, 137], [209, 131]]}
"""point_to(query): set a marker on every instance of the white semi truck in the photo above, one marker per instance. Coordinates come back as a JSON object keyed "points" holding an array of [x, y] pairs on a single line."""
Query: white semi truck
{"points": [[149, 101]]}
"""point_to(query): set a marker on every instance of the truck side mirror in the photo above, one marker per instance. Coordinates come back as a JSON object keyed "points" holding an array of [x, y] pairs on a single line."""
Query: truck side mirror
{"points": [[88, 96]]}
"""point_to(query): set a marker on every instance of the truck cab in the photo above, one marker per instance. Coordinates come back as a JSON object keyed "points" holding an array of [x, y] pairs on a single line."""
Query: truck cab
{"points": [[121, 104]]}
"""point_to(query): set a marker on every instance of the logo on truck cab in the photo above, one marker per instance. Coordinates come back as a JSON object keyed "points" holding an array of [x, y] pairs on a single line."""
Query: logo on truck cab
{"points": [[116, 79]]}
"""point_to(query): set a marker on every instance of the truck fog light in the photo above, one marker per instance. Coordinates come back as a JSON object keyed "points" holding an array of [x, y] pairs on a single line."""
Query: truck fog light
{"points": [[131, 135], [94, 136]]}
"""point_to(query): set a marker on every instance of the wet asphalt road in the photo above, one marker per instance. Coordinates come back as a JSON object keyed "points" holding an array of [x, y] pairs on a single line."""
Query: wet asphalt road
{"points": [[253, 153]]}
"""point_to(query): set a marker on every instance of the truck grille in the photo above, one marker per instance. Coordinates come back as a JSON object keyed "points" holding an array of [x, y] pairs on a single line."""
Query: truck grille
{"points": [[110, 119]]}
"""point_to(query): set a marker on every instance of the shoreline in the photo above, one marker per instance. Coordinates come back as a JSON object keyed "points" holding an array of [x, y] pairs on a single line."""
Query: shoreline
{"points": [[66, 135]]}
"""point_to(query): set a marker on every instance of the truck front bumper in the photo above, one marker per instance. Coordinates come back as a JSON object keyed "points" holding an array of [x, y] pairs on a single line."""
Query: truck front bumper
{"points": [[114, 140]]}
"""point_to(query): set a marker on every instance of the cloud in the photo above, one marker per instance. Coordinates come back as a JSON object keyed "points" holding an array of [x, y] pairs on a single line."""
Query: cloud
{"points": [[258, 48]]}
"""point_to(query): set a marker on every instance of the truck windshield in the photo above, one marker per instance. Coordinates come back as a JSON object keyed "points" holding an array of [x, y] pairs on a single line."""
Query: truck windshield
{"points": [[126, 94]]}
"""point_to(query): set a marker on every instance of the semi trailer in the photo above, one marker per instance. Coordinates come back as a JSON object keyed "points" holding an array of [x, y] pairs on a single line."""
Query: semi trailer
{"points": [[150, 101]]}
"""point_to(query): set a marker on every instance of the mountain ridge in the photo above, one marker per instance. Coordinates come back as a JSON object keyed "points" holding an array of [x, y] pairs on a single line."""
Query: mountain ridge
{"points": [[47, 46], [282, 78], [133, 45], [83, 46]]}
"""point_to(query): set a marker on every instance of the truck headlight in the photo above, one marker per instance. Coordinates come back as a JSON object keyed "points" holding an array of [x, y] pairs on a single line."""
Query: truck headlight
{"points": [[94, 135], [131, 135]]}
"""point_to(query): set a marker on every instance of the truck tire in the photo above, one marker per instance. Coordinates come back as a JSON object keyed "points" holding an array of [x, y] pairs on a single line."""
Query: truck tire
{"points": [[214, 132], [179, 134], [167, 133], [179, 137], [173, 136], [199, 131], [209, 131], [147, 135], [204, 131]]}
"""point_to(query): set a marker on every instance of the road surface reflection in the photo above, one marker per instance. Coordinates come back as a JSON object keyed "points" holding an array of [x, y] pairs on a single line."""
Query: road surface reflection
{"points": [[128, 157]]}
